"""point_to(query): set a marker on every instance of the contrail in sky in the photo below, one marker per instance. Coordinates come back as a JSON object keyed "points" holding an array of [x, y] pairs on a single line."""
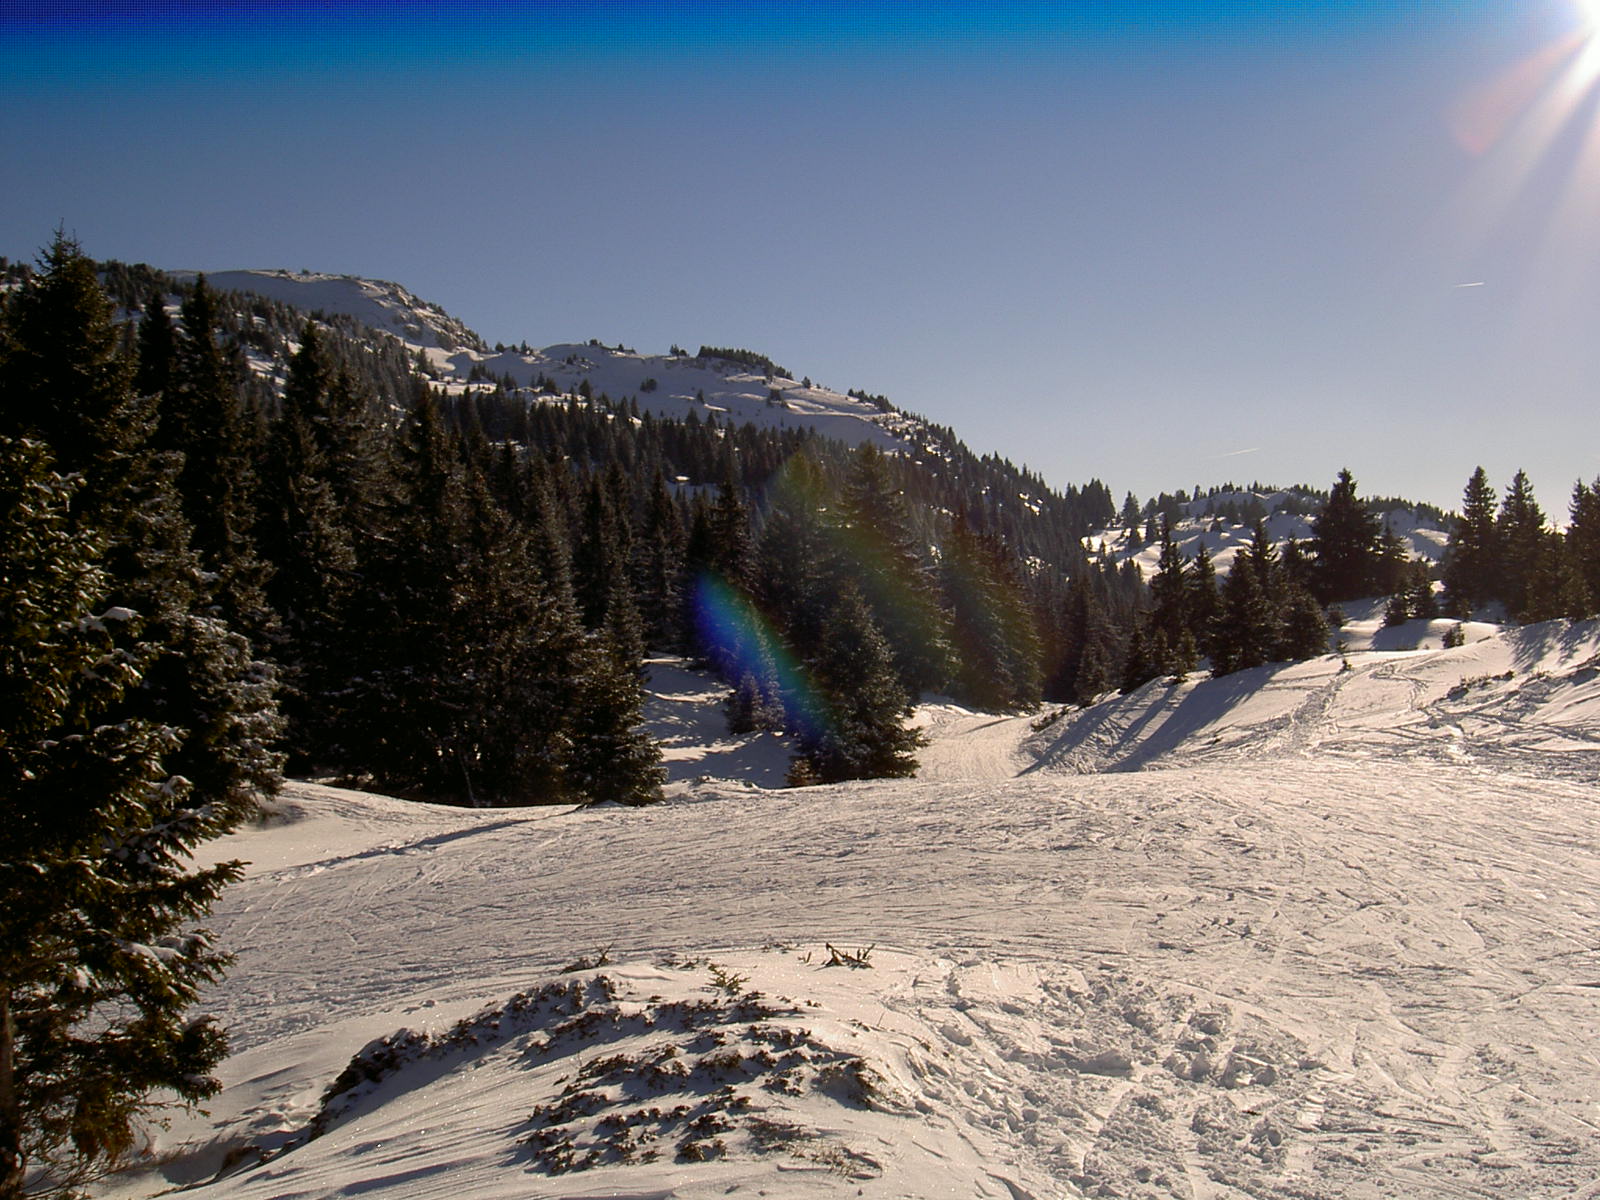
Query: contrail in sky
{"points": [[1479, 283]]}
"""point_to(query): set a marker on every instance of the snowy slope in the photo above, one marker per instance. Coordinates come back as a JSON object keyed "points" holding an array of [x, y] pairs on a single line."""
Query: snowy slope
{"points": [[1347, 950], [1202, 523], [382, 305], [665, 385]]}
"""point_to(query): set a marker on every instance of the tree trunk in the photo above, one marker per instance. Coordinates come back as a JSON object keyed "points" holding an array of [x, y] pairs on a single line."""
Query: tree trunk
{"points": [[11, 1173]]}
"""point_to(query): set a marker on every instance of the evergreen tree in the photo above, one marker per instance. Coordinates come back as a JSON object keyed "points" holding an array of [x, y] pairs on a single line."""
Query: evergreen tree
{"points": [[1391, 565], [303, 533], [796, 570], [201, 419], [1303, 631], [658, 565], [1472, 560], [613, 760], [992, 627], [1420, 601], [1345, 544], [134, 726], [1204, 604], [1581, 592], [1139, 666], [157, 348], [1247, 631], [864, 736], [888, 567], [1520, 532], [1169, 614]]}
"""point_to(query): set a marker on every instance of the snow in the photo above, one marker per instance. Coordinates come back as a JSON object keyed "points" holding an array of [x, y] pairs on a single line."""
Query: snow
{"points": [[1304, 931], [383, 305], [731, 392], [1201, 524]]}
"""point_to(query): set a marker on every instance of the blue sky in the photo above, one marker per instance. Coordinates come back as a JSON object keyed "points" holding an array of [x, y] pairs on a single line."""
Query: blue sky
{"points": [[1159, 244]]}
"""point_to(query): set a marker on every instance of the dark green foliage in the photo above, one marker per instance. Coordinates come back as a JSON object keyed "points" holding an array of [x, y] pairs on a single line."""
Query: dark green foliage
{"points": [[1472, 562], [1302, 629], [658, 565], [133, 726], [1345, 544], [1520, 530], [992, 626], [1582, 591], [1174, 646], [1204, 604], [745, 358], [890, 568], [157, 348], [1247, 631], [864, 734]]}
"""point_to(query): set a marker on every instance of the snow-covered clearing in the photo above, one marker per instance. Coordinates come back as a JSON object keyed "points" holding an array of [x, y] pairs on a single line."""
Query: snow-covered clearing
{"points": [[1303, 932]]}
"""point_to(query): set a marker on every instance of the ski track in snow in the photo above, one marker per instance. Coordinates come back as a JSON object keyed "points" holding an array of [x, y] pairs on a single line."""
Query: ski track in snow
{"points": [[1306, 933]]}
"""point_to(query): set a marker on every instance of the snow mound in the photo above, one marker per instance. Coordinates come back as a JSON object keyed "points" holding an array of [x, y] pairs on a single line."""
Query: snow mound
{"points": [[1526, 700]]}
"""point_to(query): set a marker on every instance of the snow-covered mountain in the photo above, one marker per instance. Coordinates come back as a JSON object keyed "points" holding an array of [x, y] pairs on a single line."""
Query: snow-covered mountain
{"points": [[671, 385], [377, 303], [1309, 931]]}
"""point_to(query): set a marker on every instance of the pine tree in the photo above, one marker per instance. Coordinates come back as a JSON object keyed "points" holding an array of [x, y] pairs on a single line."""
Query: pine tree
{"points": [[1247, 631], [201, 418], [1391, 564], [1139, 666], [1302, 629], [658, 565], [1582, 590], [796, 569], [864, 736], [992, 627], [1169, 614], [1420, 601], [157, 345], [888, 567], [1345, 544], [1204, 604], [303, 533], [1520, 532], [135, 726], [1472, 560]]}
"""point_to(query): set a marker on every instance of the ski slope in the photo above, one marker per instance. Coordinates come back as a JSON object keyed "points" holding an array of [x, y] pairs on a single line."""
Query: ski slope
{"points": [[1302, 932]]}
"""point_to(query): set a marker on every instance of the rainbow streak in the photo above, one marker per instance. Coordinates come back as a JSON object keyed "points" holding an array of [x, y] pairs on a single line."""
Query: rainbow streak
{"points": [[741, 641]]}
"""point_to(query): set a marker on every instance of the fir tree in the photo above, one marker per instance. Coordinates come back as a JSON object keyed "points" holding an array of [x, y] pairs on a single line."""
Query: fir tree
{"points": [[1204, 604], [1520, 533], [1581, 592], [658, 565], [1247, 631], [135, 726], [1345, 544], [304, 534], [1302, 629], [1169, 614], [888, 568], [864, 736], [992, 627], [157, 348], [201, 418], [1472, 560]]}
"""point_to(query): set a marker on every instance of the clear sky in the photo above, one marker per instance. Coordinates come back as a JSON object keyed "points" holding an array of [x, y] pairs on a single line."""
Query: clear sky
{"points": [[1156, 243]]}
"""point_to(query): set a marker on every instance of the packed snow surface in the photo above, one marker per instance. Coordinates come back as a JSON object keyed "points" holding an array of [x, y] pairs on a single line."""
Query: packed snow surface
{"points": [[1309, 931]]}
